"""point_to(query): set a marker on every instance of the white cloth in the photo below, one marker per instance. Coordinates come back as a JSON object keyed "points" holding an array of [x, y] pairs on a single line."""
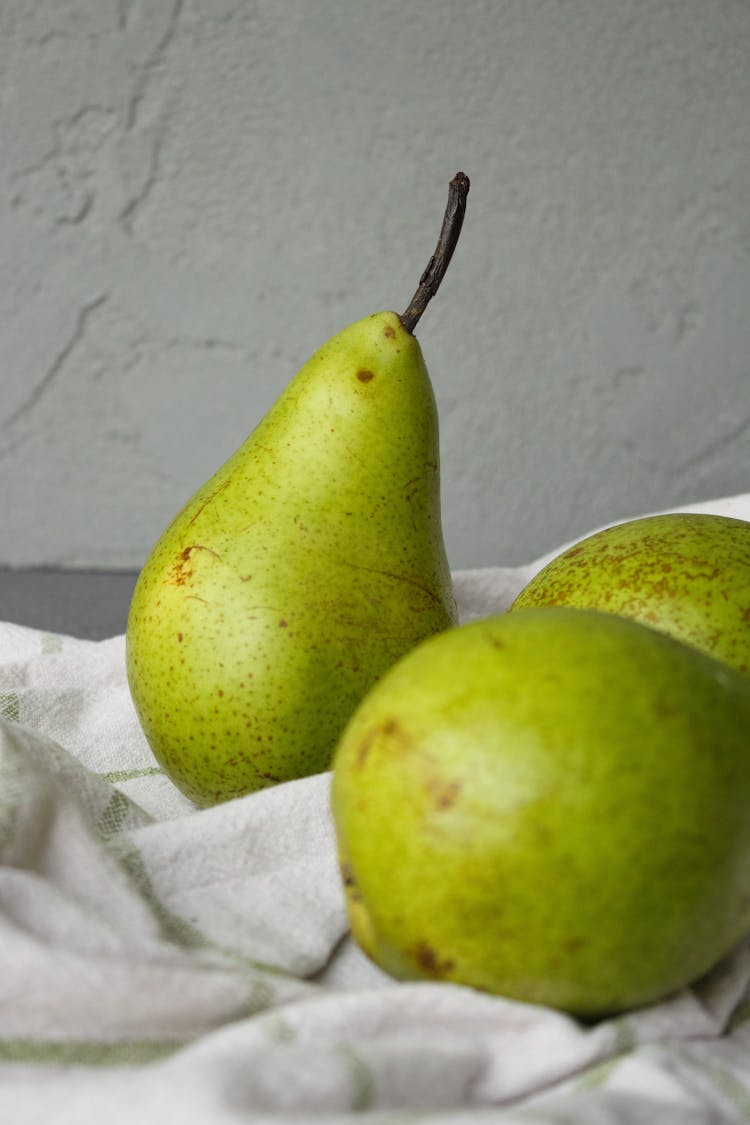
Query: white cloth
{"points": [[164, 964]]}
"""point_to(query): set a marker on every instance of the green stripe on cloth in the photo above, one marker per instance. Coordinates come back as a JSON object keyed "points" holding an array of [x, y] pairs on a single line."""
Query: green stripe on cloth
{"points": [[624, 1043], [119, 814], [363, 1082], [172, 926], [84, 1053], [10, 706], [12, 781], [261, 978], [114, 776]]}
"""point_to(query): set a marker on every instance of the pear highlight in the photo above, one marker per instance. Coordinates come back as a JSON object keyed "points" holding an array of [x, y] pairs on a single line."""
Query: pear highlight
{"points": [[685, 573], [572, 792], [303, 569]]}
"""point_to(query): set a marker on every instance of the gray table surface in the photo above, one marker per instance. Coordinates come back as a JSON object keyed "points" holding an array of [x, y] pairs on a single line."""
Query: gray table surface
{"points": [[82, 603]]}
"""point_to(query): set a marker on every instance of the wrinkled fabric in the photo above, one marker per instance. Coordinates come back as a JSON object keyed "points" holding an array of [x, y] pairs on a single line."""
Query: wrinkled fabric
{"points": [[165, 963]]}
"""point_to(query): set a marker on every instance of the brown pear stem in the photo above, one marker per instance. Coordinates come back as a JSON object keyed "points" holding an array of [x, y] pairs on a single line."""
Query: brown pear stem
{"points": [[429, 282]]}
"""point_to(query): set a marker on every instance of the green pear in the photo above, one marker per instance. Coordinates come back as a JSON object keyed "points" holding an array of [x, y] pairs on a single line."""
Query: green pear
{"points": [[550, 805], [302, 570], [687, 574]]}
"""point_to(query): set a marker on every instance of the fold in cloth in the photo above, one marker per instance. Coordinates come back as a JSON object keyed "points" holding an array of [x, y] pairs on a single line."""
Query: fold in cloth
{"points": [[164, 963]]}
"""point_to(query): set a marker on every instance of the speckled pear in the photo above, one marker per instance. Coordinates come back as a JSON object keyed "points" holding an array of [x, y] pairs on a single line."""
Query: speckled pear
{"points": [[550, 805], [301, 571], [685, 573]]}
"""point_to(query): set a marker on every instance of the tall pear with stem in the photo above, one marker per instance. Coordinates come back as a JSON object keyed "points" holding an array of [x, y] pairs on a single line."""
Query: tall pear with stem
{"points": [[304, 568]]}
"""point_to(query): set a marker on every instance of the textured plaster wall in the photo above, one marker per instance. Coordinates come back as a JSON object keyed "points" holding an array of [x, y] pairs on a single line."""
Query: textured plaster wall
{"points": [[196, 194]]}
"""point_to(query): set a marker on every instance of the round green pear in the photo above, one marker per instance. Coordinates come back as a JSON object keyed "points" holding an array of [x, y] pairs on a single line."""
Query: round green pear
{"points": [[685, 573], [552, 805], [303, 569]]}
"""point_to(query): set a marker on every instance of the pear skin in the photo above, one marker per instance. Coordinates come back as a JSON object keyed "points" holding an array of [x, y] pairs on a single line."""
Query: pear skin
{"points": [[685, 573], [301, 571], [550, 805]]}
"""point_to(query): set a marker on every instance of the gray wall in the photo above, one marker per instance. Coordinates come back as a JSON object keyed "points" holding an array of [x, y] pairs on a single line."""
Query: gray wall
{"points": [[197, 194]]}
